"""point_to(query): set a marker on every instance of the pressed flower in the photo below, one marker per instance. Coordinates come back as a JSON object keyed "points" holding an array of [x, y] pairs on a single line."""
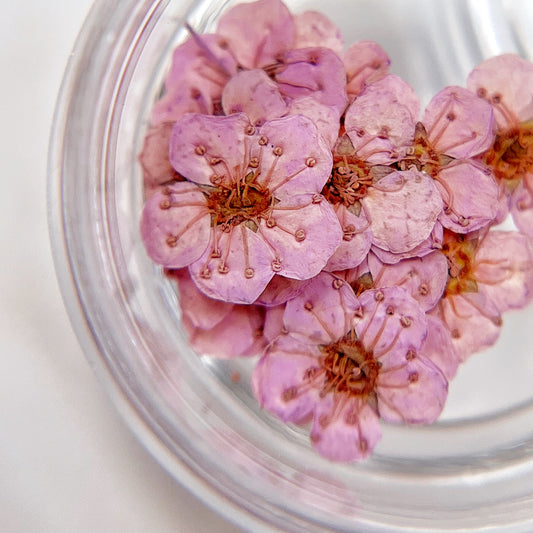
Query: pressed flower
{"points": [[345, 362], [489, 273], [381, 207], [506, 82], [257, 35], [252, 209], [456, 127]]}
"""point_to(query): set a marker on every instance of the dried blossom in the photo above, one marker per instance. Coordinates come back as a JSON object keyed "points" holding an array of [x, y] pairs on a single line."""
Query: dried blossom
{"points": [[345, 362], [506, 82], [489, 273], [252, 207], [257, 35], [392, 210]]}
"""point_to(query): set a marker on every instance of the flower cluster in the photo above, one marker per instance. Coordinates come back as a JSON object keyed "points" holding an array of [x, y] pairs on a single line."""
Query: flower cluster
{"points": [[313, 215]]}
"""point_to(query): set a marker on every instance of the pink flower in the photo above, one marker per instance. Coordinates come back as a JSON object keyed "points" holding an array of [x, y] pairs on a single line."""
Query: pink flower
{"points": [[252, 207], [488, 274], [506, 83], [345, 362], [456, 127], [381, 207], [257, 35]]}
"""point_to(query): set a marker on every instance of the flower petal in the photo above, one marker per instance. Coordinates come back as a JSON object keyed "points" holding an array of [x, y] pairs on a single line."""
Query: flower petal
{"points": [[459, 123], [254, 93], [175, 225], [198, 141], [522, 206], [470, 194], [279, 380], [237, 270], [413, 394], [315, 29], [504, 266], [473, 321], [350, 434], [382, 119], [305, 162], [202, 312], [424, 278], [403, 210], [389, 322], [304, 238], [356, 241], [505, 81], [365, 62], [238, 334], [322, 312], [316, 72], [257, 32]]}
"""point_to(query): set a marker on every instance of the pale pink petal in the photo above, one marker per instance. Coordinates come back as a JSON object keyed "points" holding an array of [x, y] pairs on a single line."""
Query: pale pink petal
{"points": [[273, 325], [239, 272], [175, 225], [522, 206], [474, 322], [403, 208], [321, 313], [202, 146], [432, 243], [424, 278], [439, 349], [200, 69], [280, 290], [505, 81], [326, 118], [172, 106], [239, 334], [315, 29], [257, 32], [356, 241], [389, 323], [294, 160], [303, 238], [201, 311], [153, 158], [504, 267], [203, 59], [414, 393], [458, 123], [470, 195], [350, 434], [316, 72], [365, 62], [279, 380], [382, 120], [254, 93]]}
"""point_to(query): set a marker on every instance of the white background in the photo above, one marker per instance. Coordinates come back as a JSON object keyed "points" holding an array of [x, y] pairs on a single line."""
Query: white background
{"points": [[67, 462]]}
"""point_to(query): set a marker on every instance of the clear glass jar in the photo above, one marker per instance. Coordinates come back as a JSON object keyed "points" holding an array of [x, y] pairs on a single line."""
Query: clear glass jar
{"points": [[472, 470]]}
